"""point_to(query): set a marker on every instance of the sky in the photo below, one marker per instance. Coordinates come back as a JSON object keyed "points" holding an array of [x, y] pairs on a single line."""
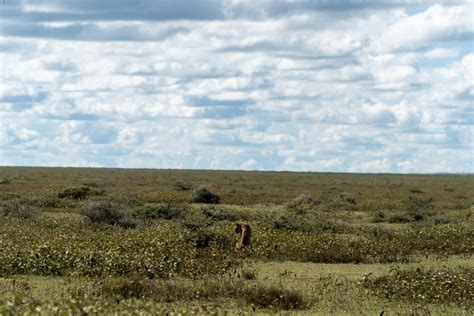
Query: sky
{"points": [[327, 86]]}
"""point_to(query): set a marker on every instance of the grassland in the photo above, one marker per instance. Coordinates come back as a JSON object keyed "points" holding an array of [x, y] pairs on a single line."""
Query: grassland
{"points": [[103, 241]]}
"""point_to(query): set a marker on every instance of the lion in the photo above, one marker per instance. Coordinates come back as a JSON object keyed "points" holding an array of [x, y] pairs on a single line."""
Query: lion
{"points": [[245, 231]]}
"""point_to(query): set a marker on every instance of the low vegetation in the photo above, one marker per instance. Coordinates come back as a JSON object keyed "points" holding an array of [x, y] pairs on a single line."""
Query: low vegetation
{"points": [[146, 240]]}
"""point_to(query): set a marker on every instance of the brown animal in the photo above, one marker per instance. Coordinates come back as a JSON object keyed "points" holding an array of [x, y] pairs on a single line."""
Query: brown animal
{"points": [[245, 231]]}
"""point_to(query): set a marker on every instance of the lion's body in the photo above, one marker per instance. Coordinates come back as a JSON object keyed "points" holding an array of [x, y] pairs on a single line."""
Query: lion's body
{"points": [[245, 234]]}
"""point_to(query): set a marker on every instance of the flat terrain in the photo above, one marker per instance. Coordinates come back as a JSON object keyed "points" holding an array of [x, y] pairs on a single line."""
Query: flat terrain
{"points": [[103, 241]]}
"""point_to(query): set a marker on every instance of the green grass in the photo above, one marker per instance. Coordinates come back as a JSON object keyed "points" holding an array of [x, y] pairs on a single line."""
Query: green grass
{"points": [[322, 244]]}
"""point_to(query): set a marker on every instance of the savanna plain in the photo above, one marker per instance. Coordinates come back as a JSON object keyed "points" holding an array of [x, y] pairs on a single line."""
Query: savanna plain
{"points": [[80, 241]]}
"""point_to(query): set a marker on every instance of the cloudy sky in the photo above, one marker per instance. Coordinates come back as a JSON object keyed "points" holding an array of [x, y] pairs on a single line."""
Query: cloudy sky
{"points": [[351, 86]]}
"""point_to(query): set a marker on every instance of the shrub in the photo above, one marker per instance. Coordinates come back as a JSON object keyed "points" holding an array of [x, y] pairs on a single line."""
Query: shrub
{"points": [[203, 238], [181, 186], [343, 202], [302, 204], [78, 193], [159, 211], [347, 198], [195, 220], [91, 184], [4, 181], [107, 212], [441, 221], [40, 201], [274, 296], [203, 195], [249, 274], [125, 288], [51, 201], [415, 203], [219, 213], [399, 219], [138, 287], [379, 217], [419, 216], [19, 209], [304, 223]]}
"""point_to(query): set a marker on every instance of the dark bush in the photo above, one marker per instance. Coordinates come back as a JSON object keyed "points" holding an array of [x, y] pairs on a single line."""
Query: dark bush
{"points": [[159, 211], [78, 193], [203, 195], [4, 181], [275, 297], [217, 213], [107, 212]]}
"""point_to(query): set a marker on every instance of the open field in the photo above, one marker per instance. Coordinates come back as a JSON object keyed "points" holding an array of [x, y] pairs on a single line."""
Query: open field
{"points": [[152, 241]]}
